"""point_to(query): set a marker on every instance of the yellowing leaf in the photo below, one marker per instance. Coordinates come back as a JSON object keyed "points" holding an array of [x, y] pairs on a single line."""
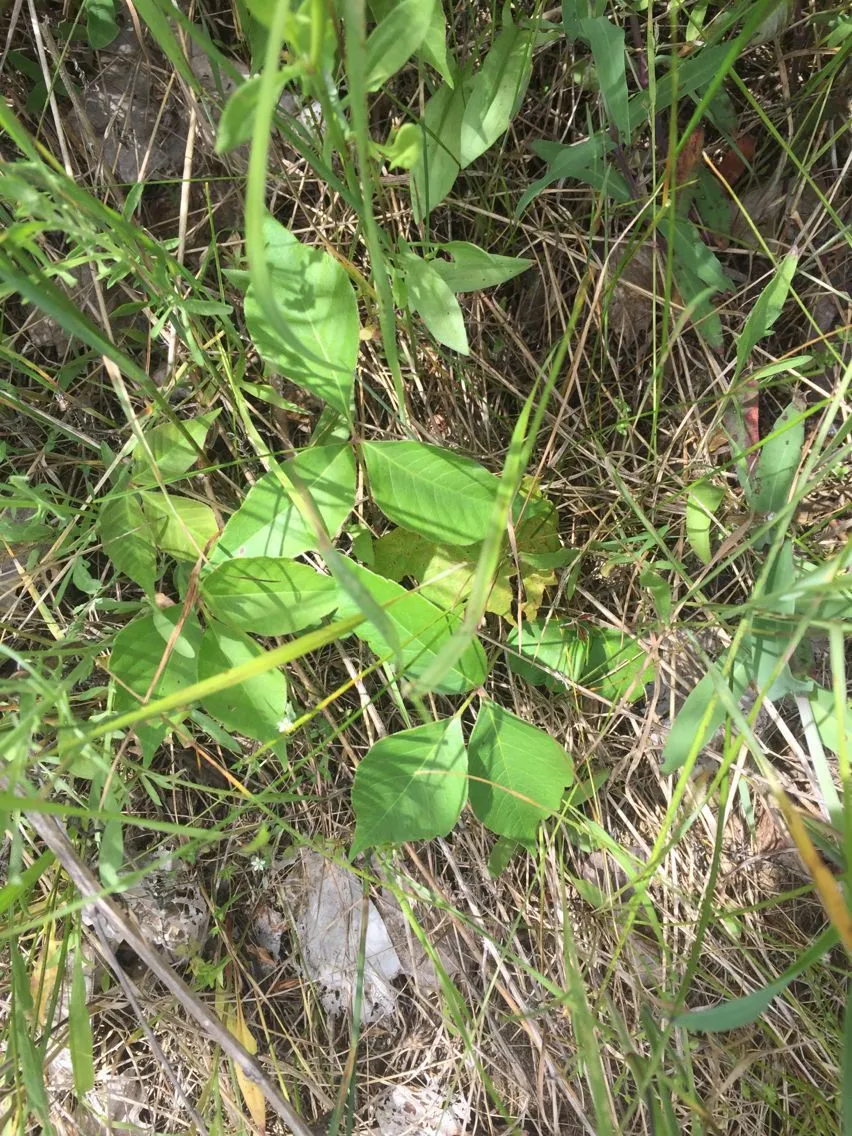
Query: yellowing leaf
{"points": [[254, 1098]]}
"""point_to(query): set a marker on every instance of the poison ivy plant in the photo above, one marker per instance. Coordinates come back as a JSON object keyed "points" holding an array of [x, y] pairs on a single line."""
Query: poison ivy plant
{"points": [[315, 344], [400, 32], [421, 629], [254, 708], [464, 118], [173, 448], [268, 523], [268, 595], [517, 773], [127, 538], [432, 299], [440, 494], [144, 667], [411, 785], [181, 527], [544, 652]]}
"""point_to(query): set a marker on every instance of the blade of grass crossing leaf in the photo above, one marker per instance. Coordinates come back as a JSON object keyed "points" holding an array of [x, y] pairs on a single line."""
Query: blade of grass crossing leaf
{"points": [[80, 1040], [498, 86], [739, 1012], [520, 449], [767, 309]]}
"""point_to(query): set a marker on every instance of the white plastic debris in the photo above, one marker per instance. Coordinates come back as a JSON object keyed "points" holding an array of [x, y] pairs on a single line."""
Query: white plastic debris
{"points": [[404, 1111], [327, 903]]}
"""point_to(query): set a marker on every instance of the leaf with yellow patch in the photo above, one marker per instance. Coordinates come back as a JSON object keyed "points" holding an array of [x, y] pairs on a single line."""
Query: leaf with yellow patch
{"points": [[254, 1098]]}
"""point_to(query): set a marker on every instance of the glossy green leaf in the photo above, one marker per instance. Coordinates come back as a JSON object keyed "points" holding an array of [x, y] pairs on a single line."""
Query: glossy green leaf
{"points": [[434, 175], [701, 503], [540, 651], [498, 88], [472, 268], [268, 595], [434, 302], [137, 655], [617, 665], [446, 497], [268, 522], [181, 527], [607, 44], [174, 449], [128, 540], [254, 708], [421, 628], [317, 344], [767, 309], [779, 460], [518, 773], [101, 28], [701, 716], [410, 786], [396, 38], [739, 1012]]}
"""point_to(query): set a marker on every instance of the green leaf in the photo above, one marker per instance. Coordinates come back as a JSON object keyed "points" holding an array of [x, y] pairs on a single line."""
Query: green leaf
{"points": [[136, 658], [268, 522], [180, 526], [128, 540], [446, 497], [498, 88], [405, 149], [698, 275], [518, 773], [617, 665], [435, 303], [713, 203], [410, 786], [702, 502], [501, 854], [584, 161], [396, 38], [739, 1012], [445, 574], [101, 28], [267, 595], [472, 268], [660, 589], [607, 44], [174, 448], [237, 121], [254, 708], [701, 716], [767, 309], [80, 1041], [28, 1054], [434, 48], [771, 637], [320, 312], [835, 729], [434, 175], [779, 459], [536, 648], [421, 628]]}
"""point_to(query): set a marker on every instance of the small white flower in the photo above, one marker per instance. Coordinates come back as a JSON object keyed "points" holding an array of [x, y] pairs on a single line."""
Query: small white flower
{"points": [[285, 725], [257, 863]]}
